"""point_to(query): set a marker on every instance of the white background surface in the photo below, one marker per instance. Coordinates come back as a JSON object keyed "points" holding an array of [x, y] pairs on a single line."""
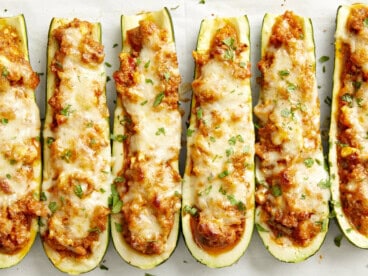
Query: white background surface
{"points": [[330, 260]]}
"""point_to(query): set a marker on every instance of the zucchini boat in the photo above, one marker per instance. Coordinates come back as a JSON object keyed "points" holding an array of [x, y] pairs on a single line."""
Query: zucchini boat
{"points": [[77, 153], [20, 149], [147, 129], [218, 187], [348, 153], [292, 181]]}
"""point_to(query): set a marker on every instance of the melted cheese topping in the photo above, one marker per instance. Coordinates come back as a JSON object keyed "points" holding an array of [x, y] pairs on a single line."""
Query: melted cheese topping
{"points": [[146, 168], [220, 144], [292, 191], [20, 155], [77, 146], [351, 115]]}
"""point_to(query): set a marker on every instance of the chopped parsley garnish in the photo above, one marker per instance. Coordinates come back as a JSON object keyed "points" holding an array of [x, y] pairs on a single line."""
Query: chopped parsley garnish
{"points": [[206, 191], [284, 73], [115, 45], [114, 200], [118, 227], [53, 206], [276, 190], [285, 113], [102, 190], [94, 229], [147, 64], [324, 184], [337, 240], [103, 267], [223, 174], [291, 87], [348, 98], [365, 22], [66, 111], [49, 140], [242, 64], [78, 191], [108, 79], [193, 211], [323, 59], [260, 228], [229, 53], [359, 102], [190, 132], [66, 155], [199, 113], [357, 84], [144, 102], [138, 61], [229, 152], [160, 131], [43, 196], [119, 179], [212, 139], [202, 2], [309, 162], [167, 76], [107, 64], [158, 99], [8, 176], [4, 121], [119, 138], [5, 72], [149, 81]]}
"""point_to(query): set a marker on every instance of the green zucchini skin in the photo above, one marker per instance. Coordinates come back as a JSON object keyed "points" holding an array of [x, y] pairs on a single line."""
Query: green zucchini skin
{"points": [[352, 235], [18, 22], [208, 29], [69, 265], [162, 18], [290, 253]]}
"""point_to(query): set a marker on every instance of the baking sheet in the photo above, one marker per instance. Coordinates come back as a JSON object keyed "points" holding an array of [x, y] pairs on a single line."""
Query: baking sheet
{"points": [[330, 260]]}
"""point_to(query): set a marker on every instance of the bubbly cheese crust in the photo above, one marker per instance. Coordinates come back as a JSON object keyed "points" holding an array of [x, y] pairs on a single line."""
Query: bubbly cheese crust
{"points": [[351, 119], [20, 152], [147, 139], [77, 158], [220, 142], [292, 190]]}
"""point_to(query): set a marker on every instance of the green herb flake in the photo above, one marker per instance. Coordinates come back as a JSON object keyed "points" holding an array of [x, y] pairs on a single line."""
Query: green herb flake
{"points": [[291, 87], [43, 196], [66, 155], [107, 64], [260, 228], [108, 79], [308, 162], [212, 139], [199, 113], [144, 102], [66, 111], [5, 72], [102, 190], [103, 267], [167, 76], [276, 190], [53, 206], [119, 179], [323, 59], [193, 211], [285, 113], [118, 227], [49, 140], [223, 174], [357, 84], [78, 191], [359, 102], [229, 152], [119, 138], [365, 21], [347, 98], [158, 99], [115, 45], [324, 184], [160, 131], [149, 81], [190, 132], [4, 121], [138, 61], [338, 239], [202, 2], [8, 176], [284, 73], [242, 64], [147, 64], [94, 229], [232, 141]]}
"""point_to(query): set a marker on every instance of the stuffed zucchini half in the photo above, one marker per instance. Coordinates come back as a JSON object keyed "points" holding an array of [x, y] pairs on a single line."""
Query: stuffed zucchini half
{"points": [[146, 192], [292, 189], [218, 187], [349, 124], [77, 155], [20, 158]]}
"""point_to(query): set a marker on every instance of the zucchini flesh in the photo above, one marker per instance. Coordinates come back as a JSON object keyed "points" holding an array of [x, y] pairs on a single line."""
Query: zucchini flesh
{"points": [[292, 196], [20, 144], [77, 153], [348, 131], [147, 126], [218, 187]]}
